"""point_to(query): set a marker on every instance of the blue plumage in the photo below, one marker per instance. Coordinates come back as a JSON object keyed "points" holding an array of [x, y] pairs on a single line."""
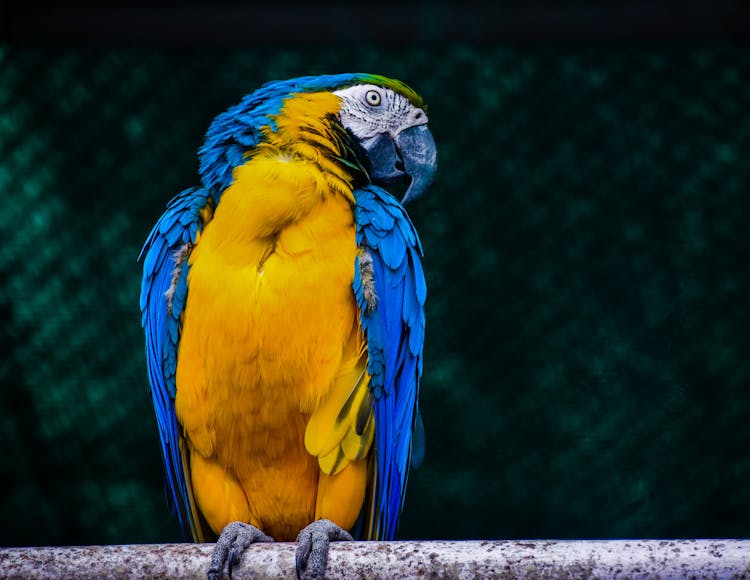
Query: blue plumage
{"points": [[162, 301], [394, 330]]}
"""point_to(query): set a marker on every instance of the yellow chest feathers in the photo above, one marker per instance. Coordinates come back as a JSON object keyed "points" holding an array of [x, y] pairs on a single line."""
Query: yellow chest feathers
{"points": [[270, 342], [270, 308]]}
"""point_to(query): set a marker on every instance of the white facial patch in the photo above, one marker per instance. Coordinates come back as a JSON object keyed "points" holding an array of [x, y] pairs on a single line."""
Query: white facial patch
{"points": [[366, 120]]}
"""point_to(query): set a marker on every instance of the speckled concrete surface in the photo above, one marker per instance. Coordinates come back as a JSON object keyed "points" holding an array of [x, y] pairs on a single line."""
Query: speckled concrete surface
{"points": [[711, 558]]}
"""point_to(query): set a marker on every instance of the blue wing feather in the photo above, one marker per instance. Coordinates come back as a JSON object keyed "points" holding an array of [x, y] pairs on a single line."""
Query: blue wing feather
{"points": [[394, 330], [177, 226]]}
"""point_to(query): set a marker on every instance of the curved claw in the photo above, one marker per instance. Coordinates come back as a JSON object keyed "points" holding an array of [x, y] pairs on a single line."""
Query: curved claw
{"points": [[234, 538], [312, 548]]}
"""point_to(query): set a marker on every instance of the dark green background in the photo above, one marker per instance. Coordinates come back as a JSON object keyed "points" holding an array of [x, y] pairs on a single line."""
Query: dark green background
{"points": [[587, 359]]}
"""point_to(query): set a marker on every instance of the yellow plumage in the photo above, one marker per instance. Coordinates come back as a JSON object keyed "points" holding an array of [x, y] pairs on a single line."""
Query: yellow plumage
{"points": [[271, 350], [342, 427]]}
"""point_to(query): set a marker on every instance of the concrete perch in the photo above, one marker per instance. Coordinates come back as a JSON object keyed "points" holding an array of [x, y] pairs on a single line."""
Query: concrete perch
{"points": [[711, 558]]}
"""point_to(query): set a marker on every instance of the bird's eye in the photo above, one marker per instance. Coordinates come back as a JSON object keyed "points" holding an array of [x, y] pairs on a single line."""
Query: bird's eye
{"points": [[372, 98]]}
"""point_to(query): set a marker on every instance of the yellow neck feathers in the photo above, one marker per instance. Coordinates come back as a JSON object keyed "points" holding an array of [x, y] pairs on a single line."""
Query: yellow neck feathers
{"points": [[306, 129], [295, 168]]}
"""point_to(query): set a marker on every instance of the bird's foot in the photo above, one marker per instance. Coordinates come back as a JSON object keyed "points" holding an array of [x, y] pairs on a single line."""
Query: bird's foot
{"points": [[312, 548], [234, 538]]}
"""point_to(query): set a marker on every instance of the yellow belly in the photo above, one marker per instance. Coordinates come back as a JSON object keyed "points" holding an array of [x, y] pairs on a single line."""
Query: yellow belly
{"points": [[269, 313]]}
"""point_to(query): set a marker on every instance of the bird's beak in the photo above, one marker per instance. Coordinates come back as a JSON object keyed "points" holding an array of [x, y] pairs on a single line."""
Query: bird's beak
{"points": [[419, 155], [412, 153]]}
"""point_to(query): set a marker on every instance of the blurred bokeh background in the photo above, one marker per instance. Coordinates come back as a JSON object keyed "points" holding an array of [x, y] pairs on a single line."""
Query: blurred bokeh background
{"points": [[587, 369]]}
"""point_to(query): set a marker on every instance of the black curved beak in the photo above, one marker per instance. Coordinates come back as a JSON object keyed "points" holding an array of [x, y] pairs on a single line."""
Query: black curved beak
{"points": [[412, 153]]}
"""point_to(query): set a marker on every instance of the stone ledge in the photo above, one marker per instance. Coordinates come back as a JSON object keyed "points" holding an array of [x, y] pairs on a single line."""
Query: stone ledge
{"points": [[704, 558]]}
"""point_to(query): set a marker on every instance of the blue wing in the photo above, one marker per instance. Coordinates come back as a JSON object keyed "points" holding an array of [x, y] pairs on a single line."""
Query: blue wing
{"points": [[393, 322], [163, 294]]}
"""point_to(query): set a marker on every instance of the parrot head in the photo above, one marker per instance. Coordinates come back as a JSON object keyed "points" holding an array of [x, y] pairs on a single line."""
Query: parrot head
{"points": [[391, 127], [384, 118]]}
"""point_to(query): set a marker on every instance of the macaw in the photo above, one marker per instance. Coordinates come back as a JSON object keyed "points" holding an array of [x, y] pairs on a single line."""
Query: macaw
{"points": [[282, 303]]}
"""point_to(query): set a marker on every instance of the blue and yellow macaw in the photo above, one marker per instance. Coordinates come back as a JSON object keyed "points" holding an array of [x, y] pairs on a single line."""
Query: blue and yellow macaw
{"points": [[283, 309]]}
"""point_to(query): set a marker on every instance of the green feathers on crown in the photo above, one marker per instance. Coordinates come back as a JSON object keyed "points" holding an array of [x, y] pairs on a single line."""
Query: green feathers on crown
{"points": [[398, 87]]}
